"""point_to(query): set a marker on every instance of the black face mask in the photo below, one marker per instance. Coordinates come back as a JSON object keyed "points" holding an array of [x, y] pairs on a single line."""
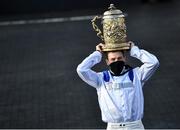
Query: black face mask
{"points": [[116, 67]]}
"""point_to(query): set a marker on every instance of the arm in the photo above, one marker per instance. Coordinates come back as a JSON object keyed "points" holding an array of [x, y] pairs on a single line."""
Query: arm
{"points": [[150, 63], [84, 69]]}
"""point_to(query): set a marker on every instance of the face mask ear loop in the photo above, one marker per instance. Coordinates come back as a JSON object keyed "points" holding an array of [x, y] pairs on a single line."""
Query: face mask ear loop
{"points": [[111, 71], [123, 70]]}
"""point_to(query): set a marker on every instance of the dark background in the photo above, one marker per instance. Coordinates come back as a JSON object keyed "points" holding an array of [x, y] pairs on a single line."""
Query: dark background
{"points": [[39, 86], [44, 6]]}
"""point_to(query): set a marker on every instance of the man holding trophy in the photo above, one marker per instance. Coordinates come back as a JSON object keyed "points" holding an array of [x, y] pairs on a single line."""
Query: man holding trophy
{"points": [[119, 88]]}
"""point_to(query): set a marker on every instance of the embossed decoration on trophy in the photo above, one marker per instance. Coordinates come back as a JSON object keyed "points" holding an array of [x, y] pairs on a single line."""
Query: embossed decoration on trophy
{"points": [[114, 29]]}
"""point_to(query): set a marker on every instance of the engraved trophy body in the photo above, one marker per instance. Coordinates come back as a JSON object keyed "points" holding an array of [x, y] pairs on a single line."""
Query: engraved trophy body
{"points": [[114, 30]]}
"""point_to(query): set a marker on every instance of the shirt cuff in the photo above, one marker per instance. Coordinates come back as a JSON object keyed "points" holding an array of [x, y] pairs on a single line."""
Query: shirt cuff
{"points": [[134, 49], [98, 53]]}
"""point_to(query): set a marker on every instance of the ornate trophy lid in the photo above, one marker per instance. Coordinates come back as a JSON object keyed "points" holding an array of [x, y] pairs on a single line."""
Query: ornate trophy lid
{"points": [[113, 12]]}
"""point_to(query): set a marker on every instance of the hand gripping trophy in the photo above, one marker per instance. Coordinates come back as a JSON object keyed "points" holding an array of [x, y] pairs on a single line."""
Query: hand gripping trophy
{"points": [[114, 30]]}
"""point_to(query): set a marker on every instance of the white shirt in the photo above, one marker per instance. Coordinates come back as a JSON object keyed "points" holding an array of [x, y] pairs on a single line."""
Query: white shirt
{"points": [[120, 99]]}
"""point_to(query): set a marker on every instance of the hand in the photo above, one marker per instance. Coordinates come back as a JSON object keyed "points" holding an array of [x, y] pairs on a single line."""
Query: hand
{"points": [[99, 47], [131, 44]]}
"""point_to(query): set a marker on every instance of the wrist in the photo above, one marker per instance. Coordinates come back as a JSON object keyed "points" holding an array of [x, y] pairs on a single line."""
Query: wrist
{"points": [[99, 51]]}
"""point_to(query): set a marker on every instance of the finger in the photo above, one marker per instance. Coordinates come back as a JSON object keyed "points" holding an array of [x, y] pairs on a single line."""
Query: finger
{"points": [[98, 47], [130, 42], [101, 44]]}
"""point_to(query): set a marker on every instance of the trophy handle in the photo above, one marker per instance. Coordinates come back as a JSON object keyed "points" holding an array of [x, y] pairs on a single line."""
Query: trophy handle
{"points": [[96, 28]]}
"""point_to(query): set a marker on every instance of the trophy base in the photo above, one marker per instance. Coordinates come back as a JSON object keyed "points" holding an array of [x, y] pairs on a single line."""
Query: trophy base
{"points": [[116, 47]]}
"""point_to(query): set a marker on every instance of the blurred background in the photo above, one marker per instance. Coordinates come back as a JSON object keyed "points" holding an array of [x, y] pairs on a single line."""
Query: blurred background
{"points": [[42, 42]]}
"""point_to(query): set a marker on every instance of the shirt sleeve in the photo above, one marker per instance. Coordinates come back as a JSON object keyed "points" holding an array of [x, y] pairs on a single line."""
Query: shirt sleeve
{"points": [[150, 63], [84, 69]]}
